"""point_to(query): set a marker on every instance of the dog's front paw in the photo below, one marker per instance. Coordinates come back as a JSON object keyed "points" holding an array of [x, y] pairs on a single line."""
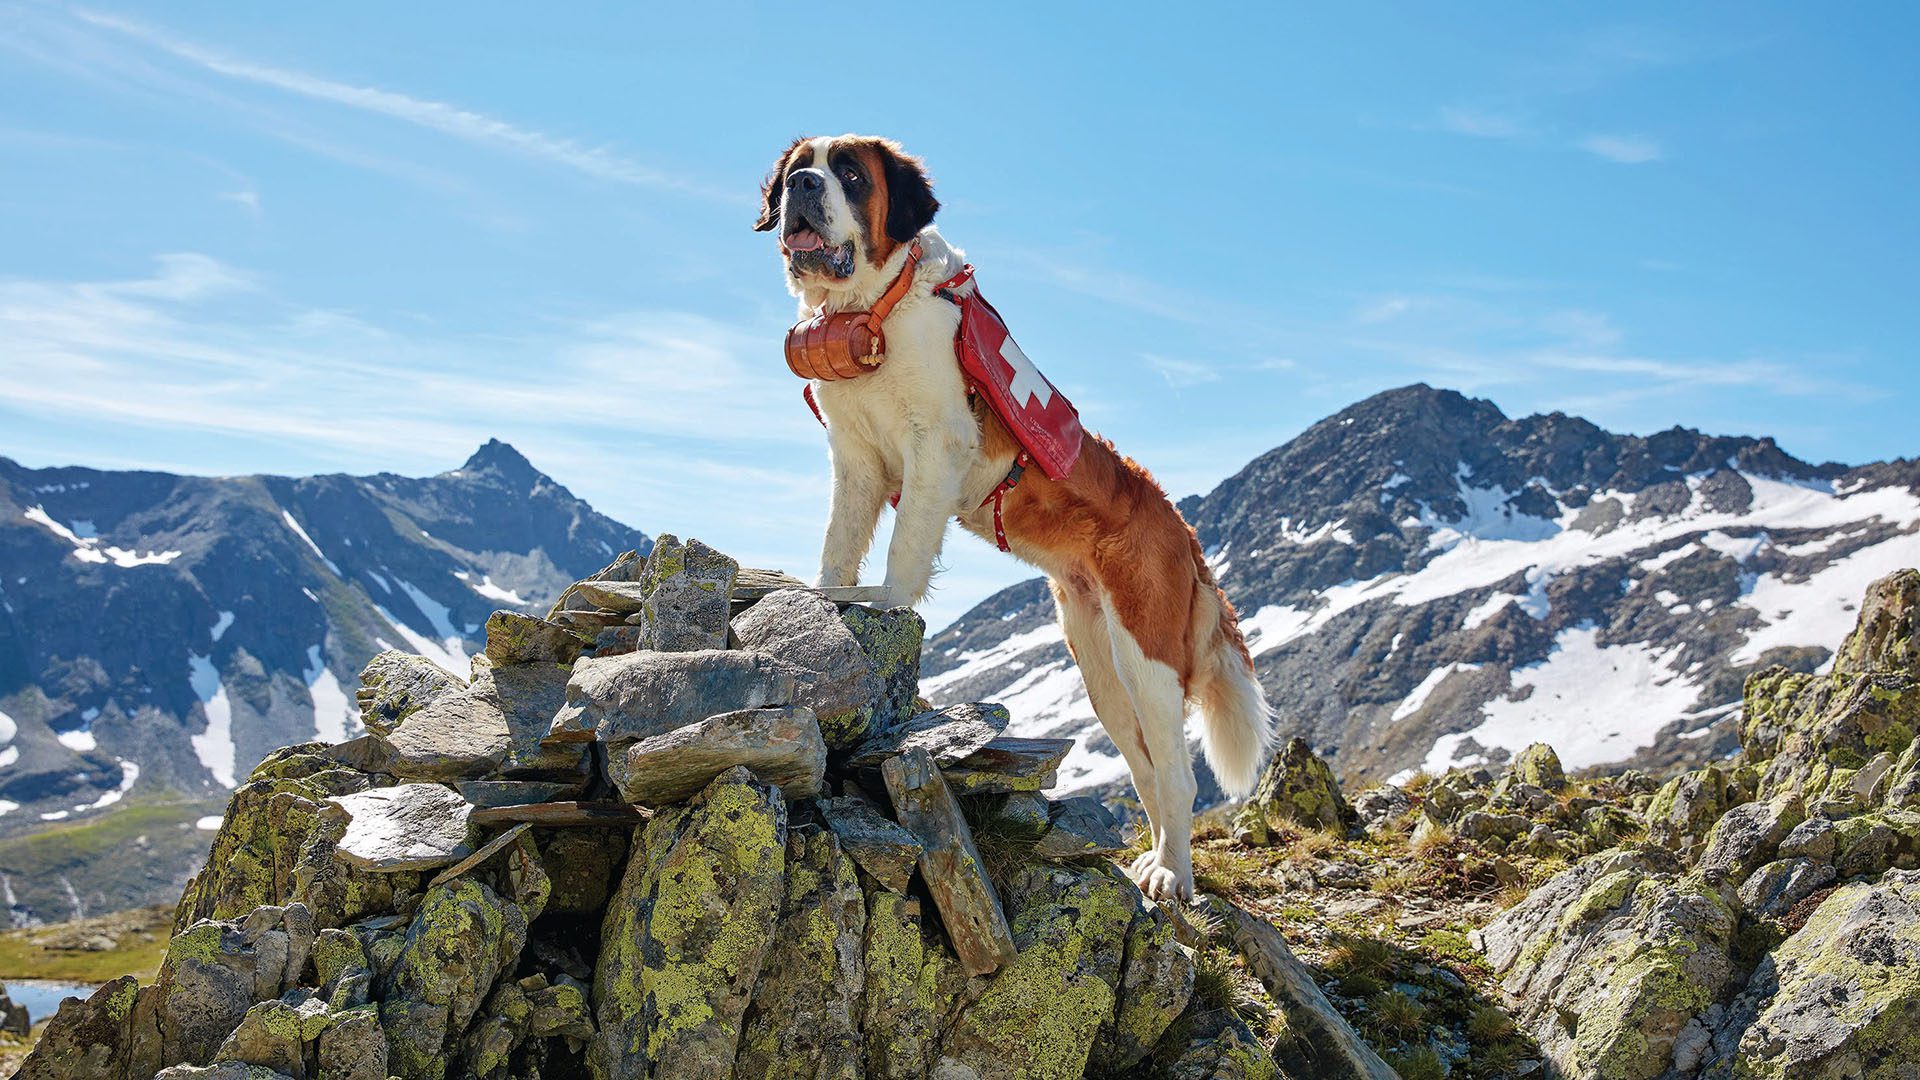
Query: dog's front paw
{"points": [[1166, 886]]}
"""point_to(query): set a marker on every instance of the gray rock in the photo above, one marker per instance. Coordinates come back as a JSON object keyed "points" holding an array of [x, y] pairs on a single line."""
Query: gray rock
{"points": [[950, 864], [405, 827], [891, 639], [1481, 826], [1379, 807], [905, 1008], [619, 640], [836, 679], [621, 699], [89, 1039], [211, 976], [1156, 982], [1628, 951], [1838, 998], [527, 696], [495, 793], [1220, 1046], [1749, 835], [623, 597], [225, 1070], [806, 1002], [513, 638], [879, 845], [459, 735], [1773, 889], [689, 593], [353, 1046], [948, 735], [394, 685], [1018, 816], [1079, 827], [1539, 766], [1007, 764], [463, 938], [780, 746], [1296, 788], [1685, 808], [684, 938], [274, 1034], [1813, 838]]}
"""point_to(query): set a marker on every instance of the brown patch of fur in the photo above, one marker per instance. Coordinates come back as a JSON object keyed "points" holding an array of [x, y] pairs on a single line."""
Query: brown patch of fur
{"points": [[1109, 524], [872, 156]]}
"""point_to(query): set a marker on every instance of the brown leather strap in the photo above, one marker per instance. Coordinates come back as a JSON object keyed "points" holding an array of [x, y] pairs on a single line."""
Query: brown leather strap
{"points": [[897, 291]]}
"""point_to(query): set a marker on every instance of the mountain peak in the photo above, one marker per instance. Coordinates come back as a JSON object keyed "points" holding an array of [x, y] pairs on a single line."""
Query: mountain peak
{"points": [[499, 457]]}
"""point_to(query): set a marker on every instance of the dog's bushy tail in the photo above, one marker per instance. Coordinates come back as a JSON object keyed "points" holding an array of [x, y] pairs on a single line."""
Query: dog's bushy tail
{"points": [[1237, 723]]}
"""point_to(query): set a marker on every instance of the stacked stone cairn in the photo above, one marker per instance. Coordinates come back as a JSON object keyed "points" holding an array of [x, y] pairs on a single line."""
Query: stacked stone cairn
{"points": [[694, 823]]}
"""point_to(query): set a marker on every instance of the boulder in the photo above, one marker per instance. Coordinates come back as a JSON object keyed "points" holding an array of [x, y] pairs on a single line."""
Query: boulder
{"points": [[780, 746], [1838, 998], [513, 638], [394, 685], [1539, 766], [463, 939], [689, 590], [1749, 835], [1772, 890], [1685, 808], [1297, 788], [621, 699], [1886, 635], [1156, 983], [1611, 960], [1079, 826], [1007, 764], [88, 1040], [1379, 807], [1037, 1018], [806, 1002], [353, 1046], [685, 935], [405, 827], [891, 638], [1813, 839], [835, 679], [911, 982], [1017, 817]]}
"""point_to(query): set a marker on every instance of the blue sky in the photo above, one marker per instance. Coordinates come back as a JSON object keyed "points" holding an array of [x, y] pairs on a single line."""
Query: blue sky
{"points": [[360, 237]]}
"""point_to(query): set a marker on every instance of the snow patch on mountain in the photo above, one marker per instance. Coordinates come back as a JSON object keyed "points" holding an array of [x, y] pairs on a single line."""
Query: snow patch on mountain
{"points": [[214, 745], [86, 543], [333, 712], [287, 516]]}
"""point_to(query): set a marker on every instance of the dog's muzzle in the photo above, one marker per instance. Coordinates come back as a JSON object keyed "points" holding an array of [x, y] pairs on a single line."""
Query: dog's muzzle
{"points": [[847, 344]]}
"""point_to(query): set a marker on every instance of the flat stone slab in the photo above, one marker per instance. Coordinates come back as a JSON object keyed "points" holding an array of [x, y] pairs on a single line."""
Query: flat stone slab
{"points": [[948, 735], [780, 746], [624, 597], [461, 735], [881, 847], [1009, 764], [1079, 827], [486, 793], [563, 814], [638, 695], [969, 907], [487, 851], [405, 827]]}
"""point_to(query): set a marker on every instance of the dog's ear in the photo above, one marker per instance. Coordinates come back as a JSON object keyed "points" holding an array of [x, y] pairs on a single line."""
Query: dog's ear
{"points": [[910, 201], [773, 185]]}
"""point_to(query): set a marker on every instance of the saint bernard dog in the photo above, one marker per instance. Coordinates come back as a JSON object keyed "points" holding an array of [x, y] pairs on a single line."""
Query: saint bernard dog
{"points": [[1150, 630]]}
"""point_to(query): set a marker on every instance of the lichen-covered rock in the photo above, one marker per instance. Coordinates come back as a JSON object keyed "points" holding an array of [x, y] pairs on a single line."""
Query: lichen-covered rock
{"points": [[214, 972], [87, 1040], [1773, 889], [621, 699], [394, 685], [1220, 1046], [836, 679], [685, 935], [1749, 835], [1685, 808], [225, 1070], [780, 746], [1297, 788], [1008, 764], [1078, 827], [1886, 636], [806, 1002], [1813, 839], [1038, 1017], [1841, 997], [1610, 961], [891, 638], [907, 997], [353, 1046], [582, 864], [1156, 982], [463, 938], [1378, 807], [278, 843], [689, 588], [1539, 766], [513, 638], [274, 1034]]}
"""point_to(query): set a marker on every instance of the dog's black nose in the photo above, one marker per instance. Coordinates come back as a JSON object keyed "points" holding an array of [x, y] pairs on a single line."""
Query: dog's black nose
{"points": [[806, 182]]}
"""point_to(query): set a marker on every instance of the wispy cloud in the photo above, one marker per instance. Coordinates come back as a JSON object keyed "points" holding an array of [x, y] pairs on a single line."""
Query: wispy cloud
{"points": [[1480, 123], [1621, 149], [1182, 373], [452, 120]]}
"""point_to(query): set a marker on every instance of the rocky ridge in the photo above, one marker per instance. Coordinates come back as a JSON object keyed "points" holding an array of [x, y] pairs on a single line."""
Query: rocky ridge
{"points": [[692, 822]]}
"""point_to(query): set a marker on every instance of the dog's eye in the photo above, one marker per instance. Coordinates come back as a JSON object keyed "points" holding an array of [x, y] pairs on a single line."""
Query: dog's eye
{"points": [[851, 174]]}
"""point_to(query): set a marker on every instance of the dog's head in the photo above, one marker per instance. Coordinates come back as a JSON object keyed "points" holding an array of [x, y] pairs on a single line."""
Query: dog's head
{"points": [[842, 206]]}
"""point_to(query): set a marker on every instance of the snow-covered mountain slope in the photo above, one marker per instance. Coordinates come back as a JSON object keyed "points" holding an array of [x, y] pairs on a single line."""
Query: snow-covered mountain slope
{"points": [[163, 633], [1425, 582]]}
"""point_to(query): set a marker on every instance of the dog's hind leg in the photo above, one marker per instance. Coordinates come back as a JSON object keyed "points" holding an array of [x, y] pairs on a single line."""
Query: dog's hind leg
{"points": [[1084, 622], [1160, 711]]}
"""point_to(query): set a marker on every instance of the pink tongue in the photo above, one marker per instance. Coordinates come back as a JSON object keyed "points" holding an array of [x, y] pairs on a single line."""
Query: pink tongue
{"points": [[804, 240]]}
